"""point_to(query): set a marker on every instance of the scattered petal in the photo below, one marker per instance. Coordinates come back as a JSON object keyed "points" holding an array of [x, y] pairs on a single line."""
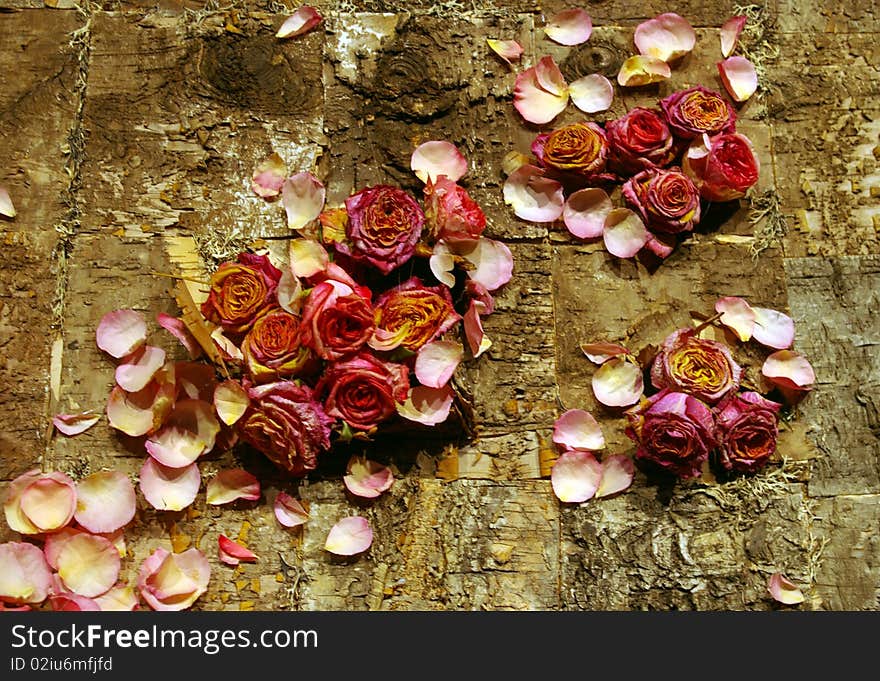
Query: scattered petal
{"points": [[550, 77], [599, 353], [618, 383], [592, 93], [509, 50], [290, 292], [367, 479], [25, 576], [569, 27], [432, 159], [121, 598], [349, 536], [737, 315], [300, 22], [307, 258], [666, 37], [178, 329], [773, 329], [139, 413], [15, 518], [531, 97], [289, 511], [189, 432], [49, 502], [173, 581], [105, 501], [269, 176], [74, 424], [532, 196], [492, 261], [788, 369], [730, 31], [230, 401], [233, 553], [642, 70], [442, 263], [784, 590], [617, 475], [88, 564], [575, 476], [232, 484], [625, 233], [121, 332], [169, 489], [71, 602], [585, 212], [739, 77], [473, 330], [6, 208], [577, 429], [138, 368], [428, 406], [302, 196], [437, 361]]}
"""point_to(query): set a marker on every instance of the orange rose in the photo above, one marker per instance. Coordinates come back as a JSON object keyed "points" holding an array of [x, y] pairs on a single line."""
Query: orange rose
{"points": [[240, 291], [273, 348], [581, 148], [417, 312], [702, 368]]}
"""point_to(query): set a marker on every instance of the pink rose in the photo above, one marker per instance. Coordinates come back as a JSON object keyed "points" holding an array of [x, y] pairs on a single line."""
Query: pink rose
{"points": [[337, 320], [639, 140], [698, 367], [723, 169], [747, 431], [667, 200], [451, 213], [691, 113]]}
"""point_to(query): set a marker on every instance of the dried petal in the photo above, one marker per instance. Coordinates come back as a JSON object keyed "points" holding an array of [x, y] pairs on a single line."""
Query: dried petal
{"points": [[575, 476], [6, 208], [737, 315], [189, 432], [599, 353], [585, 212], [367, 479], [290, 292], [230, 401], [169, 489], [532, 196], [642, 70], [307, 258], [137, 369], [49, 502], [173, 581], [300, 22], [74, 424], [739, 77], [617, 475], [531, 97], [773, 329], [121, 598], [121, 332], [666, 37], [478, 342], [789, 369], [437, 361], [432, 159], [592, 93], [428, 406], [509, 50], [105, 501], [730, 31], [233, 553], [442, 263], [139, 413], [349, 536], [625, 233], [492, 262], [289, 511], [784, 590], [269, 176], [550, 77], [24, 574], [577, 429], [232, 484], [88, 564], [71, 602], [618, 383], [177, 328], [302, 196], [569, 27]]}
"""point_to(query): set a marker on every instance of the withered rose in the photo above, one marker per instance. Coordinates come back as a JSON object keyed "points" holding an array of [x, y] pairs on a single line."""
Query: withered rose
{"points": [[384, 225], [698, 367], [747, 430], [639, 140], [580, 148], [417, 312], [667, 200], [674, 431], [363, 391], [451, 213], [698, 110], [240, 291], [337, 320], [725, 169], [287, 424], [273, 348]]}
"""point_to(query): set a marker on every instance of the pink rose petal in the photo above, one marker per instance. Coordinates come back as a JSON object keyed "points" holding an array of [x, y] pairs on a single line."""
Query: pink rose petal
{"points": [[121, 332], [189, 432], [300, 22], [532, 196], [437, 361], [666, 37], [549, 76], [71, 602], [105, 501], [585, 212], [737, 315], [232, 484], [15, 518], [428, 406], [289, 511], [121, 598], [290, 292], [599, 353], [509, 50], [730, 32], [349, 536], [302, 196], [307, 258], [739, 77], [55, 541], [169, 489], [139, 413], [577, 429], [230, 401], [478, 342], [789, 369], [74, 424], [88, 564], [492, 261], [7, 210], [642, 70], [592, 93], [367, 479], [617, 475], [575, 476], [625, 233], [432, 159], [24, 574], [569, 27], [618, 383], [233, 553], [442, 263], [784, 590], [540, 94], [137, 369], [178, 329], [173, 581], [49, 502], [773, 329], [269, 176]]}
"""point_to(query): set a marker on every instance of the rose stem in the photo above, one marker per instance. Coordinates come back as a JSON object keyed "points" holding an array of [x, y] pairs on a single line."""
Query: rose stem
{"points": [[714, 318]]}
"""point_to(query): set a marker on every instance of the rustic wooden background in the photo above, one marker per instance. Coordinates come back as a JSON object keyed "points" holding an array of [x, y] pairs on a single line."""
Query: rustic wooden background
{"points": [[125, 126]]}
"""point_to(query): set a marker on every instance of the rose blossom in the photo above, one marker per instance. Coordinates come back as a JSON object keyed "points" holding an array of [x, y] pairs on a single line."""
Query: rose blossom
{"points": [[580, 149], [451, 213], [240, 291], [667, 200], [337, 320], [363, 391], [698, 367], [673, 431], [639, 140], [420, 313], [273, 348], [287, 424], [384, 225], [725, 170], [698, 110], [747, 430]]}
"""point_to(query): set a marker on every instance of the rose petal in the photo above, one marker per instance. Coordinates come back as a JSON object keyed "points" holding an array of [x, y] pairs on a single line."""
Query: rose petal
{"points": [[300, 22], [141, 412], [625, 233], [6, 207], [575, 476], [541, 93], [230, 401], [307, 258], [189, 432], [442, 263], [49, 502], [437, 361], [367, 479], [74, 424], [289, 511], [428, 406], [569, 27], [25, 576], [585, 212], [15, 518], [121, 598], [169, 489], [138, 368], [432, 159], [232, 484], [71, 602], [617, 475], [513, 161], [773, 329], [233, 553], [532, 196], [302, 196], [642, 70], [509, 50], [88, 564], [269, 176], [737, 315], [599, 353], [105, 501], [121, 332], [349, 536], [577, 429], [666, 37], [289, 292], [173, 581], [783, 590], [178, 329], [618, 383], [730, 31], [592, 93], [789, 369], [492, 261], [473, 330], [739, 77]]}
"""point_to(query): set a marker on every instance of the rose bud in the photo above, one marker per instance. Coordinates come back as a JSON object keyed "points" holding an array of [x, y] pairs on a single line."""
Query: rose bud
{"points": [[451, 213], [363, 391], [273, 348], [287, 424], [666, 200], [698, 367], [746, 426], [240, 291], [415, 313], [723, 169], [698, 110], [384, 225], [579, 149], [637, 141], [337, 320], [674, 431]]}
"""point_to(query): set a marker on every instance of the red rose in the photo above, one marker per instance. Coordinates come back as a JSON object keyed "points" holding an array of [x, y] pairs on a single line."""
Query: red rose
{"points": [[667, 200], [337, 320], [724, 168], [639, 140], [698, 110], [580, 149], [240, 291], [451, 213], [417, 312], [747, 431], [273, 348], [698, 367]]}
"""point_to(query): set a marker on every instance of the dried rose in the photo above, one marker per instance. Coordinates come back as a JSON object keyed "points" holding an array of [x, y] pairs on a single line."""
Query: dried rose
{"points": [[639, 140], [667, 200], [240, 291], [384, 225], [273, 348], [724, 168], [698, 110], [747, 431], [451, 213], [698, 367], [580, 149], [415, 313], [674, 431], [363, 391], [337, 320]]}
